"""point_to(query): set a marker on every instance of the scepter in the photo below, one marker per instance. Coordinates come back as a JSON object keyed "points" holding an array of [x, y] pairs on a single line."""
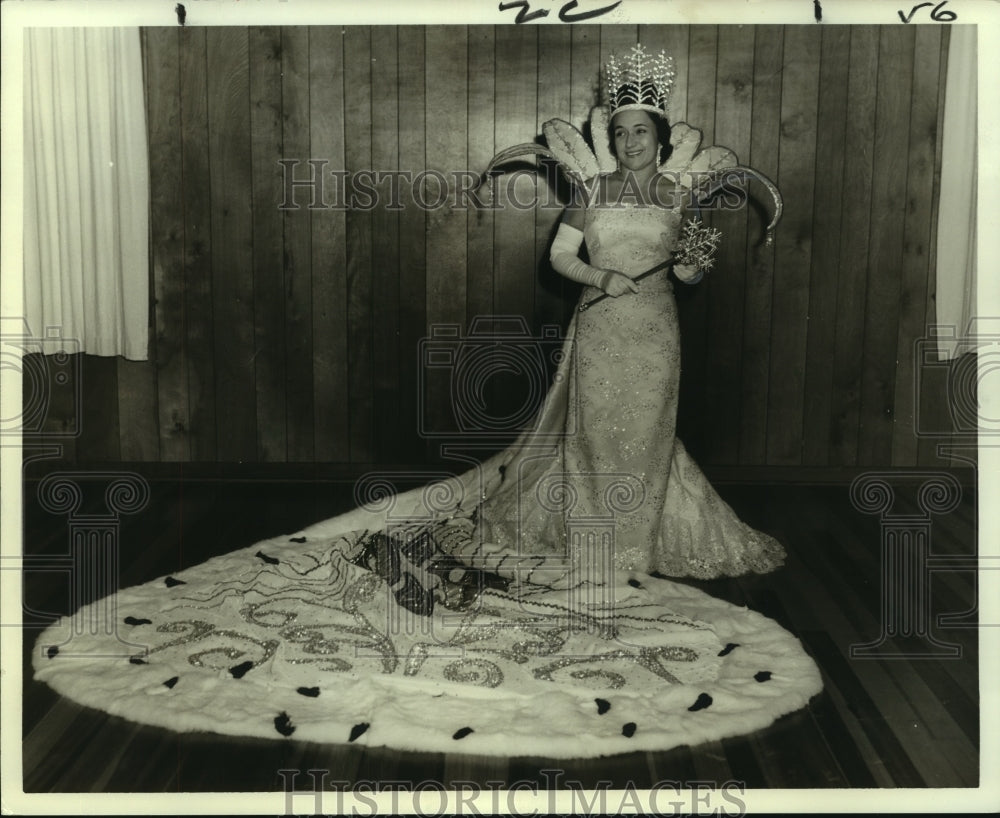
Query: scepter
{"points": [[662, 266], [696, 247]]}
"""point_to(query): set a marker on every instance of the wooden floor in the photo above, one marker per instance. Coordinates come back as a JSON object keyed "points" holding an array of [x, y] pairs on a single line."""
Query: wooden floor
{"points": [[903, 722]]}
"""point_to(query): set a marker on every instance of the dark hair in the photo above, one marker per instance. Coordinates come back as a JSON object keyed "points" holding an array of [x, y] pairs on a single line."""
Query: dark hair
{"points": [[662, 135]]}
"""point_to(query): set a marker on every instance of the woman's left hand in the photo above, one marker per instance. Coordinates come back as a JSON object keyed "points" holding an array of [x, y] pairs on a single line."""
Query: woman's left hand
{"points": [[687, 273]]}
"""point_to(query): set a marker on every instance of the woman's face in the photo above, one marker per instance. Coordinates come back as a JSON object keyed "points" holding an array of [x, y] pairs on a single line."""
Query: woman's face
{"points": [[636, 145]]}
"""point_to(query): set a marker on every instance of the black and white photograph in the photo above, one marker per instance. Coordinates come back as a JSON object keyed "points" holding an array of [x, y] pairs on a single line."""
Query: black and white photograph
{"points": [[499, 408]]}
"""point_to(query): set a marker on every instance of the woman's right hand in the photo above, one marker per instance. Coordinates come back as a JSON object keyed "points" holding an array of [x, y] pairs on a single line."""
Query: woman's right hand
{"points": [[616, 284]]}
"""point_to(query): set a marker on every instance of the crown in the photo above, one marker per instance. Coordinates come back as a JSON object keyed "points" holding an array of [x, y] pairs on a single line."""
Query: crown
{"points": [[640, 81]]}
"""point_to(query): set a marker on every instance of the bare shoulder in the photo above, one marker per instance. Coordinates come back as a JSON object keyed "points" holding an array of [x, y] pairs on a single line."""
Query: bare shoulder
{"points": [[611, 186], [573, 215], [582, 196]]}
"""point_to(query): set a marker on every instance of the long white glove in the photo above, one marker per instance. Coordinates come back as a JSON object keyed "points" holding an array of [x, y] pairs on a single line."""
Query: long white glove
{"points": [[565, 258]]}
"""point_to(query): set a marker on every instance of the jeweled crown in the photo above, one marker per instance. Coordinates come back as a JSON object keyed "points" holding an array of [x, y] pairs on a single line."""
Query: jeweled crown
{"points": [[639, 81]]}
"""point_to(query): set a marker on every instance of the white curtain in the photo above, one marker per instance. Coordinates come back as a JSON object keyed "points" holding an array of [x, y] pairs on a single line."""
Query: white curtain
{"points": [[86, 218], [956, 234]]}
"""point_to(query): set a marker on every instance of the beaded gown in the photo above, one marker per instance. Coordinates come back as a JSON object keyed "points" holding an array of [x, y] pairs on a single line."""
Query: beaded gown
{"points": [[603, 451], [452, 618]]}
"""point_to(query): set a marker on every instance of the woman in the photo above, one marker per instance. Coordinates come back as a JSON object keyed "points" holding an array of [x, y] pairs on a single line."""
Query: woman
{"points": [[616, 395], [504, 611]]}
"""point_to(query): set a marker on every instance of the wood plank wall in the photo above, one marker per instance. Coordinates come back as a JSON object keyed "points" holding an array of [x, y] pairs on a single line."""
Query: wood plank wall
{"points": [[292, 335]]}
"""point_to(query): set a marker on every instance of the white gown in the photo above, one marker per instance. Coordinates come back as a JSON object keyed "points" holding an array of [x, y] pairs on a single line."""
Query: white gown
{"points": [[604, 448]]}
